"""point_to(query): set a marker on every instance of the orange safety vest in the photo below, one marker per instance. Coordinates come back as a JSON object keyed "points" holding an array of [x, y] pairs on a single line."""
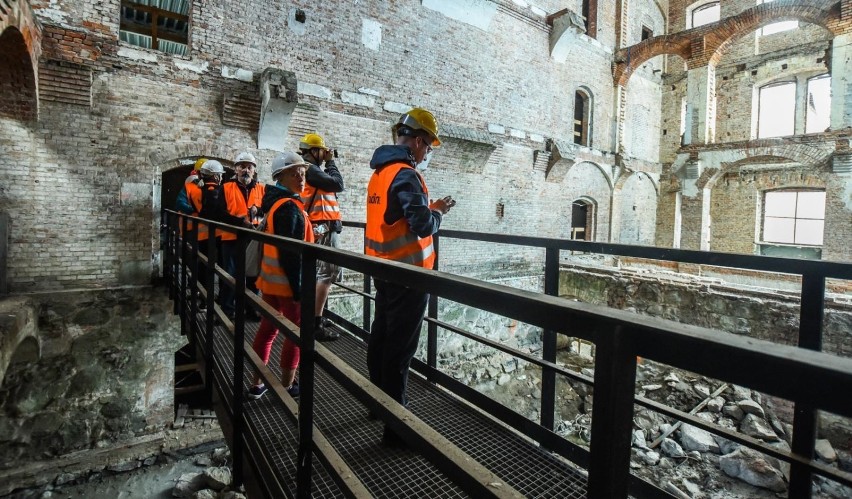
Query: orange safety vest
{"points": [[325, 205], [195, 196], [238, 205], [395, 241], [193, 192], [273, 279]]}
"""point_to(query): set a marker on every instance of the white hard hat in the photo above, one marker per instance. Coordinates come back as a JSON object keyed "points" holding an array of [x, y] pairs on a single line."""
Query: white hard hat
{"points": [[284, 161], [212, 167], [245, 157]]}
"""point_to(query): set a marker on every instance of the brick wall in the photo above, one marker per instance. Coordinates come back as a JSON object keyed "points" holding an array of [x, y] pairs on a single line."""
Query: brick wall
{"points": [[17, 77], [83, 182]]}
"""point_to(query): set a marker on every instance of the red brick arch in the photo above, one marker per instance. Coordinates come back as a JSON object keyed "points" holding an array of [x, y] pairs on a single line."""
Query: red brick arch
{"points": [[20, 48], [731, 29], [705, 44]]}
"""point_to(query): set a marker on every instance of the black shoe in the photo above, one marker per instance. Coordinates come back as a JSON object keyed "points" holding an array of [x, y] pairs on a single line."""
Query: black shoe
{"points": [[294, 390], [325, 334], [257, 391]]}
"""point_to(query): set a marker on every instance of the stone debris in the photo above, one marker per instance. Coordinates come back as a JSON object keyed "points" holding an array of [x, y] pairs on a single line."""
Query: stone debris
{"points": [[733, 411], [715, 404], [752, 468], [187, 484], [755, 426], [217, 478], [675, 491], [696, 439], [651, 388], [672, 449], [639, 439], [205, 494], [749, 406], [825, 451]]}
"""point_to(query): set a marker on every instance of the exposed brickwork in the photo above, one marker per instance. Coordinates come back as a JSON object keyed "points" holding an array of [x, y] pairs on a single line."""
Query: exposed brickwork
{"points": [[706, 44], [20, 47], [147, 110]]}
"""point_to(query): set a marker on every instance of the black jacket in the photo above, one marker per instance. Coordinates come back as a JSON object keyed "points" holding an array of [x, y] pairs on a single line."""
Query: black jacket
{"points": [[214, 206], [287, 221], [329, 180]]}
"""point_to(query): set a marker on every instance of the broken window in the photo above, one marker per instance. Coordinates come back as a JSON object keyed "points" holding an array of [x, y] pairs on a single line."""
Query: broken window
{"points": [[156, 24], [582, 116], [582, 217], [818, 117], [776, 110], [794, 217], [703, 13], [778, 27]]}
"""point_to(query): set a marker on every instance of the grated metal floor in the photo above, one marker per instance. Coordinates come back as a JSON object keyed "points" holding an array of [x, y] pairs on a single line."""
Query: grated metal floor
{"points": [[388, 472]]}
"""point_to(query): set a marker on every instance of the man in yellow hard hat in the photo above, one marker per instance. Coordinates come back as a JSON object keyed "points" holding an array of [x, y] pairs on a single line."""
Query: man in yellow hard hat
{"points": [[323, 182], [400, 224]]}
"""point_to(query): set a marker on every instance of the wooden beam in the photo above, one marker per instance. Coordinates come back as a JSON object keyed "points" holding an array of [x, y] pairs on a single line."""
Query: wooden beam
{"points": [[144, 29], [155, 10]]}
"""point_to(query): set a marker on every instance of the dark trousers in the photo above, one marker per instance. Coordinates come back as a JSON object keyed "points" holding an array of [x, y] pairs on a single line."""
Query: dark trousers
{"points": [[228, 261], [394, 336]]}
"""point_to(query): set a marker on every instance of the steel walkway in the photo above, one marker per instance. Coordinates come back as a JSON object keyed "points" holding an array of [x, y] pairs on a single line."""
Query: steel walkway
{"points": [[386, 472]]}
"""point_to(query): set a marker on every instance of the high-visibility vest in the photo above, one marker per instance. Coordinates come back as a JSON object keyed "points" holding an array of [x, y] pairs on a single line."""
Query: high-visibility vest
{"points": [[195, 196], [324, 207], [273, 279], [193, 192], [395, 241], [238, 205]]}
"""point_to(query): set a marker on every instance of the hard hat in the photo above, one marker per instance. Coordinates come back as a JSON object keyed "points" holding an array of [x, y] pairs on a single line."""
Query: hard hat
{"points": [[286, 160], [212, 167], [198, 163], [246, 157], [420, 119], [311, 141]]}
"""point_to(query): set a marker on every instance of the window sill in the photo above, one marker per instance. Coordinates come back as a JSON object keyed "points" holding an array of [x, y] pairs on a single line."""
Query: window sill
{"points": [[789, 250]]}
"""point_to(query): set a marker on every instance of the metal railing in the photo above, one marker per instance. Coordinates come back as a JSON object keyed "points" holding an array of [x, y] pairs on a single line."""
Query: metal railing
{"points": [[801, 374]]}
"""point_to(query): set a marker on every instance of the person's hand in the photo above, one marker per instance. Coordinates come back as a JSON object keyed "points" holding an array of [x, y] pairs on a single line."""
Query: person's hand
{"points": [[328, 155], [443, 205], [247, 224]]}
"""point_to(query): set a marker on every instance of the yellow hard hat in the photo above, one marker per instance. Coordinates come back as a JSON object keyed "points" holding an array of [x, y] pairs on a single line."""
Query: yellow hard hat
{"points": [[199, 163], [420, 119], [311, 141]]}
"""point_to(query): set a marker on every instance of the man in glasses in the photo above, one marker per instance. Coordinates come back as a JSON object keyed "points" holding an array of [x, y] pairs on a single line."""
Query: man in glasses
{"points": [[400, 224]]}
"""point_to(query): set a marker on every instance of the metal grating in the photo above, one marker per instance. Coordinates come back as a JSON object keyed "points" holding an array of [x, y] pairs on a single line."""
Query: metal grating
{"points": [[386, 472]]}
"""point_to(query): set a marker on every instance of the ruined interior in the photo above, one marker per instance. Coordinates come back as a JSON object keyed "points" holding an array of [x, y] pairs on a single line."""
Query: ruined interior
{"points": [[710, 125]]}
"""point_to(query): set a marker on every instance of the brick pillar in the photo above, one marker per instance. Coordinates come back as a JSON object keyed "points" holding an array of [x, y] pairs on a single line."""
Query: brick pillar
{"points": [[701, 105], [841, 81]]}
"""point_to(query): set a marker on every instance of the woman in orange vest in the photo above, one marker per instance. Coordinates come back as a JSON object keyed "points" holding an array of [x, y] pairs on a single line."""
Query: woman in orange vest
{"points": [[400, 224], [280, 274]]}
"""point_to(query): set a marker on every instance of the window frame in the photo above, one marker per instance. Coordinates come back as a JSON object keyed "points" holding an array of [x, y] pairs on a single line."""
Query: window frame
{"points": [[807, 95], [762, 30], [698, 7], [759, 90], [585, 123], [152, 31], [763, 216]]}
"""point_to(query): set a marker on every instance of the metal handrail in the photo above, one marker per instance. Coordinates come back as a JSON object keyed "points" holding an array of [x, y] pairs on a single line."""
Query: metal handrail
{"points": [[808, 378]]}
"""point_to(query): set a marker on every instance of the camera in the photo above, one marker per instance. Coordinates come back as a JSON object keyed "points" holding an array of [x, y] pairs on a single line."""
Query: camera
{"points": [[334, 152]]}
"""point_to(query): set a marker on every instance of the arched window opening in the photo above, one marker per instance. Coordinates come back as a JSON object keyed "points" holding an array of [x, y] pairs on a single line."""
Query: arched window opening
{"points": [[582, 118], [776, 110], [590, 17], [702, 13], [778, 27], [582, 220]]}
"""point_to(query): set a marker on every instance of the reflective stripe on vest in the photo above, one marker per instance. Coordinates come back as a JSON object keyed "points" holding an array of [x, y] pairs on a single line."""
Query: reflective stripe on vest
{"points": [[238, 205], [325, 206], [395, 241], [273, 279]]}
